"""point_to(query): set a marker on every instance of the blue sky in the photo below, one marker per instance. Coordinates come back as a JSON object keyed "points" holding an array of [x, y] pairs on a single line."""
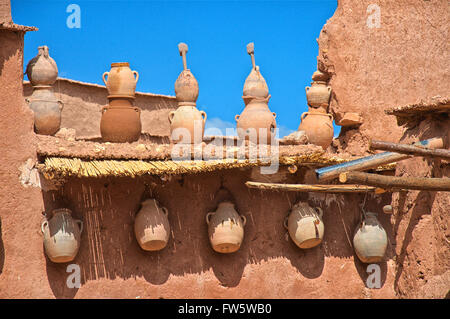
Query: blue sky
{"points": [[146, 34]]}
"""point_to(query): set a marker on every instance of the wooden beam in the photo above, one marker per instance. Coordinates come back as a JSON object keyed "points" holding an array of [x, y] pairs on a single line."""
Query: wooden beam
{"points": [[409, 149], [390, 182], [372, 161], [313, 188]]}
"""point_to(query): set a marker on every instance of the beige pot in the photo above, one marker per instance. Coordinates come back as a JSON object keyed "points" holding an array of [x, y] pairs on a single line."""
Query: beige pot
{"points": [[318, 127], [121, 81], [256, 123], [47, 110], [187, 124], [62, 236], [42, 69], [305, 225], [255, 85], [225, 228], [151, 226], [318, 95], [370, 240], [186, 87]]}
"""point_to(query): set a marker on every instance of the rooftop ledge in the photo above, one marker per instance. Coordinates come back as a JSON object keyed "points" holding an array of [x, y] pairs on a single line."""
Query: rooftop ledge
{"points": [[436, 104]]}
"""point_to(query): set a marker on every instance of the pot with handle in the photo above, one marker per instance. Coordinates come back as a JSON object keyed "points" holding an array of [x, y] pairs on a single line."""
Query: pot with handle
{"points": [[225, 228], [120, 80], [370, 240], [62, 236], [187, 124], [318, 127]]}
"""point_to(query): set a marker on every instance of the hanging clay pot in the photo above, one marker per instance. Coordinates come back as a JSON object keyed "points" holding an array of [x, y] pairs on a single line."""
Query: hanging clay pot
{"points": [[318, 95], [62, 236], [42, 69], [305, 225], [187, 124], [120, 124], [256, 123], [318, 127], [151, 226], [370, 240], [47, 110], [121, 80], [225, 228]]}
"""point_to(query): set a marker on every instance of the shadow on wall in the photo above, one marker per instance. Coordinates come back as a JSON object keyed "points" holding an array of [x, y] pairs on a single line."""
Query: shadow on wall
{"points": [[109, 249], [2, 249]]}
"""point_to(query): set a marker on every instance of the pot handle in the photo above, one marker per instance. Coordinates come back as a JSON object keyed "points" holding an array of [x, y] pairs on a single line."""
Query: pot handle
{"points": [[244, 219], [80, 224], [103, 77], [27, 100], [319, 211], [237, 117], [44, 223], [136, 75], [171, 115], [165, 211], [285, 222], [274, 115], [208, 217], [203, 113], [138, 110], [329, 89], [61, 105], [331, 117], [303, 115], [307, 89], [103, 108]]}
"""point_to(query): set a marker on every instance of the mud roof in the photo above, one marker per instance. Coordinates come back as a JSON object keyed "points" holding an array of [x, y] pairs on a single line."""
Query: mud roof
{"points": [[436, 104], [16, 27]]}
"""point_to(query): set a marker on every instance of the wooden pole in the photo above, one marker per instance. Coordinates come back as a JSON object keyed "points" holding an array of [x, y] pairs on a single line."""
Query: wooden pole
{"points": [[368, 162], [389, 182], [313, 188], [409, 149]]}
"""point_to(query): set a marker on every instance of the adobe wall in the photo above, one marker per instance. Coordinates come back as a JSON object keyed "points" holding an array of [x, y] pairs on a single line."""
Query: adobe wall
{"points": [[83, 103], [371, 69]]}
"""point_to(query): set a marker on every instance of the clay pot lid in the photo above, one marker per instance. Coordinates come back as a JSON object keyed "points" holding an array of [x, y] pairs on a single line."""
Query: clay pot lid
{"points": [[117, 64], [255, 84], [319, 76]]}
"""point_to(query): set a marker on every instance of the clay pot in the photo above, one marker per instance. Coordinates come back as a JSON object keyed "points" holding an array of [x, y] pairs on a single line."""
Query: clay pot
{"points": [[255, 85], [120, 124], [318, 127], [225, 228], [121, 80], [370, 240], [186, 87], [256, 116], [117, 102], [62, 236], [151, 226], [47, 110], [319, 76], [318, 95], [305, 225], [187, 124], [42, 69]]}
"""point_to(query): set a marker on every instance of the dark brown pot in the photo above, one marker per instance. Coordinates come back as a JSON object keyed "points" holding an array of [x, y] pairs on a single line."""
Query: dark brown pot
{"points": [[120, 124]]}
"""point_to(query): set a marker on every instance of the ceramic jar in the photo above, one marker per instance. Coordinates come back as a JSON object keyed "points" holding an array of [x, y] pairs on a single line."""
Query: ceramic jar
{"points": [[120, 124], [187, 124], [186, 87], [318, 95], [255, 85], [370, 240], [47, 110], [151, 226], [62, 236], [225, 228], [42, 69], [121, 81], [318, 127], [305, 225], [256, 123]]}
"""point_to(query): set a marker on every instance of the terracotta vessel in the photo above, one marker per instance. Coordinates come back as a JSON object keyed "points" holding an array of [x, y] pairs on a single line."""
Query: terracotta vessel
{"points": [[256, 123], [255, 85], [186, 87], [121, 80], [318, 95], [42, 69], [320, 76], [318, 127], [120, 124], [305, 225], [62, 236], [225, 228], [47, 110], [187, 124], [370, 240], [151, 226]]}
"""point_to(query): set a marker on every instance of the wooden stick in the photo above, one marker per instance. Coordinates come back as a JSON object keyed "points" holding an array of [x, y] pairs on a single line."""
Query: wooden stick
{"points": [[388, 182], [312, 188], [408, 149], [372, 161]]}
